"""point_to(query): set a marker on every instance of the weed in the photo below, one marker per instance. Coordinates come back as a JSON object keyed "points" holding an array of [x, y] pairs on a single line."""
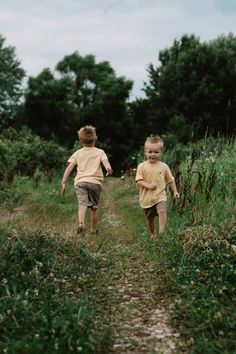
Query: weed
{"points": [[44, 306]]}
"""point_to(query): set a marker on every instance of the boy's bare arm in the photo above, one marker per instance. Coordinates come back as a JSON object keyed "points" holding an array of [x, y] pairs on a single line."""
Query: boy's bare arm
{"points": [[144, 184], [173, 188], [67, 172], [107, 166]]}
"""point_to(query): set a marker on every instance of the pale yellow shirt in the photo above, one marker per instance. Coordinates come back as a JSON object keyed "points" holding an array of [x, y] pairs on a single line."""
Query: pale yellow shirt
{"points": [[88, 161], [154, 173]]}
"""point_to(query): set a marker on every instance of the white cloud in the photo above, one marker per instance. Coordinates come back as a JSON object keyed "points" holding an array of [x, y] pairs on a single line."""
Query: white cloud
{"points": [[127, 33]]}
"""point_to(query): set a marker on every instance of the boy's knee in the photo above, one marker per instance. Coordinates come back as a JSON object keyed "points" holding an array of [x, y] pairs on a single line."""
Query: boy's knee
{"points": [[161, 212]]}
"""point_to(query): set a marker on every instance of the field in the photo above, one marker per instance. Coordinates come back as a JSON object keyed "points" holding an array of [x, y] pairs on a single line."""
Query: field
{"points": [[118, 292]]}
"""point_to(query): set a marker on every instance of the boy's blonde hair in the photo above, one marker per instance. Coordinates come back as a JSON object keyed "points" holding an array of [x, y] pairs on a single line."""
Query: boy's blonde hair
{"points": [[87, 135], [154, 139]]}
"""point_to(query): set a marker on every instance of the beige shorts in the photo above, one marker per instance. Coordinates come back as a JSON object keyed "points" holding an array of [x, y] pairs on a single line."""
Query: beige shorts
{"points": [[153, 210], [88, 194]]}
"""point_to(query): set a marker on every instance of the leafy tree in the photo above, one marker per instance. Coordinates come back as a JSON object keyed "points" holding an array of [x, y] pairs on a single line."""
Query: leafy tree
{"points": [[101, 98], [190, 90], [49, 109], [81, 92], [11, 75]]}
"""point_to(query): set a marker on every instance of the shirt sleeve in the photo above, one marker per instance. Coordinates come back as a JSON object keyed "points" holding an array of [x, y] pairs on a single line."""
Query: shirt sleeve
{"points": [[168, 175], [72, 159], [104, 156], [139, 173]]}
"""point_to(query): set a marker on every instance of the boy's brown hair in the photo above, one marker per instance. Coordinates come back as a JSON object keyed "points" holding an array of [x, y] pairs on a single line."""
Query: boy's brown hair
{"points": [[87, 135], [154, 139]]}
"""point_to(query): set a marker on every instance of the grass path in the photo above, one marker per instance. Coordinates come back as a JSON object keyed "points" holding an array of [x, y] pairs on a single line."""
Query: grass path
{"points": [[138, 321], [128, 310]]}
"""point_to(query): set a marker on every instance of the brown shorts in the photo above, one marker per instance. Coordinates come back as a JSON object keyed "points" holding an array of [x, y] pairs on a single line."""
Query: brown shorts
{"points": [[153, 210], [88, 194]]}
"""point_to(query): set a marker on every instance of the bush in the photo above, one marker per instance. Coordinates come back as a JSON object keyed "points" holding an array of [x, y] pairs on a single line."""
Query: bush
{"points": [[25, 153]]}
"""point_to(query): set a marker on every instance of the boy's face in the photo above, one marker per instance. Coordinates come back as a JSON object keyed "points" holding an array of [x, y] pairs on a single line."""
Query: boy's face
{"points": [[153, 151]]}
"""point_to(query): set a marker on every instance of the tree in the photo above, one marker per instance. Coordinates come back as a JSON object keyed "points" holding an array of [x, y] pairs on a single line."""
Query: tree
{"points": [[101, 98], [49, 108], [189, 91], [11, 76], [81, 92], [99, 94]]}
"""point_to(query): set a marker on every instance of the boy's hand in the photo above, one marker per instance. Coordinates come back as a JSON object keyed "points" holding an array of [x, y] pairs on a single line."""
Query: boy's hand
{"points": [[109, 171], [176, 195], [153, 187]]}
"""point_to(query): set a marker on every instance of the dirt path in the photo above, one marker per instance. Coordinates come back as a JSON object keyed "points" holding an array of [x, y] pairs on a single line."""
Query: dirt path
{"points": [[125, 290], [139, 322]]}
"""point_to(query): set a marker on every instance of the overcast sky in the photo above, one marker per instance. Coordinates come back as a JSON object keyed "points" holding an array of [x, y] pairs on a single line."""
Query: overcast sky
{"points": [[127, 33]]}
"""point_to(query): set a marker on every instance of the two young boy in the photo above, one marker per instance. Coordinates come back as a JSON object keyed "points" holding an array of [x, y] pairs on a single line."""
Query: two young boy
{"points": [[152, 177]]}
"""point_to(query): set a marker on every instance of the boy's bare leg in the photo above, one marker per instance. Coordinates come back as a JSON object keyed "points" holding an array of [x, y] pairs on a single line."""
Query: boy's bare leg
{"points": [[81, 214], [162, 219], [151, 227], [94, 220]]}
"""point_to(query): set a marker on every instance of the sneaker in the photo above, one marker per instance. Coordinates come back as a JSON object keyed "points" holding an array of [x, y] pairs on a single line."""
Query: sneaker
{"points": [[94, 232]]}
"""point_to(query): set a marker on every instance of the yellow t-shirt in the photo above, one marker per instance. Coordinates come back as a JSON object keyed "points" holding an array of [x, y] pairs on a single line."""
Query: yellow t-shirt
{"points": [[154, 173], [88, 161]]}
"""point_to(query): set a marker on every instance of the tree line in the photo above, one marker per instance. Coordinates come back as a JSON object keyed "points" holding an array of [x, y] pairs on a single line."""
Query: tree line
{"points": [[189, 91]]}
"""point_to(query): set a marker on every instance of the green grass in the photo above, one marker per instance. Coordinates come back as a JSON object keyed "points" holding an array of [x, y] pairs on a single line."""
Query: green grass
{"points": [[47, 301], [53, 289], [194, 258], [51, 292]]}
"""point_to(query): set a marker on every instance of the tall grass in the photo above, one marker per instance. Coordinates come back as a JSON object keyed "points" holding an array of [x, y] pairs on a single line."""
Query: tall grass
{"points": [[46, 305], [48, 278], [195, 257]]}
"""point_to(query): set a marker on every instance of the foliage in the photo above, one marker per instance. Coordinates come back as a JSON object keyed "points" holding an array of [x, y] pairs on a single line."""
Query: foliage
{"points": [[43, 304], [11, 75], [195, 257], [101, 101], [22, 152], [193, 89], [86, 92], [49, 109]]}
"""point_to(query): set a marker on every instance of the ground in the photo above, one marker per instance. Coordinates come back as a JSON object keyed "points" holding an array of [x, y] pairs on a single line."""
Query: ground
{"points": [[139, 320]]}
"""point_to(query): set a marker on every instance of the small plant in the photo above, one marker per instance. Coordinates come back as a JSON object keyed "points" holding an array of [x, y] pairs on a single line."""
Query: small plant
{"points": [[44, 308]]}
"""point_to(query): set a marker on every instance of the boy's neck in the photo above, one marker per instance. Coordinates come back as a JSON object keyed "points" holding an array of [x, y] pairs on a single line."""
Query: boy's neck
{"points": [[89, 145], [154, 162]]}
